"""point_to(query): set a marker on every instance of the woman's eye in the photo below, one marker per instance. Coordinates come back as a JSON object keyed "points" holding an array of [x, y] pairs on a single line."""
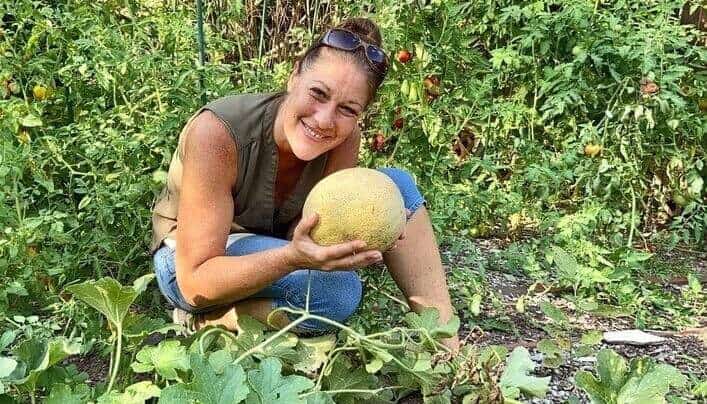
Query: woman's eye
{"points": [[349, 111], [317, 92]]}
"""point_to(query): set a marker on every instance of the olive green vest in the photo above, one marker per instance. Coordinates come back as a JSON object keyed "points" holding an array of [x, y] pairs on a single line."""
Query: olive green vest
{"points": [[250, 119]]}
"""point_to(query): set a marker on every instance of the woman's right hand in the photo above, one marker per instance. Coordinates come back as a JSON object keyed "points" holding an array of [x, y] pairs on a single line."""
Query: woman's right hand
{"points": [[305, 253]]}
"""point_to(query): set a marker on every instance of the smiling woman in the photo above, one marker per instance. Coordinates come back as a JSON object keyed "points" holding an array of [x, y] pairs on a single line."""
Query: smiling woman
{"points": [[227, 233]]}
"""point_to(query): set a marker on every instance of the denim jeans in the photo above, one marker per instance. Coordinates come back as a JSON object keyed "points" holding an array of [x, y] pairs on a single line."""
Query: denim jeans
{"points": [[333, 294]]}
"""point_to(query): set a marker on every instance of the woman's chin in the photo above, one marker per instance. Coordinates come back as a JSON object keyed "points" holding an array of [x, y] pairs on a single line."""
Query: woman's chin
{"points": [[305, 151]]}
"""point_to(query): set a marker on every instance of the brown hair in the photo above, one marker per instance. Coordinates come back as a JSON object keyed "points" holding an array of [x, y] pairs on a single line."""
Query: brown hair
{"points": [[368, 31]]}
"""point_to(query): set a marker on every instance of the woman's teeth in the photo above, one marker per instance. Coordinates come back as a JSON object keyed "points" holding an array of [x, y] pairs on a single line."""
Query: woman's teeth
{"points": [[312, 133]]}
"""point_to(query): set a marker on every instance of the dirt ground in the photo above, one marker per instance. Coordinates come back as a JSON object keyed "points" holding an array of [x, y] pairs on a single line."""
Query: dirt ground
{"points": [[688, 353]]}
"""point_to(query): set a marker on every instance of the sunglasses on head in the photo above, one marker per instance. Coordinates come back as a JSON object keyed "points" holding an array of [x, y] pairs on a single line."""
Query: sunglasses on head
{"points": [[346, 40]]}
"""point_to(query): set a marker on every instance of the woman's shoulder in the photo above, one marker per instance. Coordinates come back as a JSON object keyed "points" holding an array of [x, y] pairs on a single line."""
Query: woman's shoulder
{"points": [[243, 103], [244, 114]]}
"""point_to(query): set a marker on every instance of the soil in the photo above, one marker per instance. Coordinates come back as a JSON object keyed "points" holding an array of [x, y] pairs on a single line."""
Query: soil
{"points": [[687, 353], [95, 366]]}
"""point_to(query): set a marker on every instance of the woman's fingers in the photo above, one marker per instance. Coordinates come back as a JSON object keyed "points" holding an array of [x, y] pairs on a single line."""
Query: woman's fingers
{"points": [[356, 260], [337, 251], [305, 226]]}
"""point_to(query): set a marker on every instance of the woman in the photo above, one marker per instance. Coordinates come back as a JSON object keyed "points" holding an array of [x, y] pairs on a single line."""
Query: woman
{"points": [[237, 182]]}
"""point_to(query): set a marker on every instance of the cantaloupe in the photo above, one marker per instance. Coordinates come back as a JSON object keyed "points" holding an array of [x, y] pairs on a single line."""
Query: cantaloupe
{"points": [[356, 204]]}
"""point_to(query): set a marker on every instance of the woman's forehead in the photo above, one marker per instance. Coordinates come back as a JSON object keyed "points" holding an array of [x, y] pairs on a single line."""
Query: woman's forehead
{"points": [[341, 80]]}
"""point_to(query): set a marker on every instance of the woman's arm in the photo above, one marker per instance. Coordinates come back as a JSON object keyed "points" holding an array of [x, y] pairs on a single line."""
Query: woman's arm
{"points": [[205, 276]]}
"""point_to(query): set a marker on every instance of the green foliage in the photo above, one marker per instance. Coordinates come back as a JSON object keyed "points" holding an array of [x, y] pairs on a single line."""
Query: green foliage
{"points": [[269, 386], [428, 320], [641, 381], [109, 297], [164, 359], [206, 386], [137, 393], [515, 379], [63, 394]]}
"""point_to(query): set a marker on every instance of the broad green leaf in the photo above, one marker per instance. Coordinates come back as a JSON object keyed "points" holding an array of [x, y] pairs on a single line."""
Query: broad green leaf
{"points": [[567, 266], [314, 352], [39, 356], [252, 332], [139, 326], [320, 398], [597, 393], [652, 387], [696, 183], [554, 313], [612, 369], [208, 387], [342, 376], [109, 297], [492, 355], [166, 358], [219, 360], [591, 338], [270, 387], [137, 393], [7, 338], [552, 353], [7, 366], [645, 383], [428, 320], [31, 121], [62, 394], [515, 378]]}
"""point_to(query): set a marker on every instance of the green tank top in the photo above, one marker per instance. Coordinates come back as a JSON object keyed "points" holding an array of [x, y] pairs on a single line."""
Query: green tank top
{"points": [[250, 119]]}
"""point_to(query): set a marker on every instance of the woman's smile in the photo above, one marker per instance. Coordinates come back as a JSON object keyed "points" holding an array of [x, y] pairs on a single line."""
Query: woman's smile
{"points": [[313, 134]]}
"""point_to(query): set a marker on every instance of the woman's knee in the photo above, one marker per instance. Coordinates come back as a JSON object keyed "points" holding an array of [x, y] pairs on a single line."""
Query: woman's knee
{"points": [[406, 184], [335, 295], [344, 296]]}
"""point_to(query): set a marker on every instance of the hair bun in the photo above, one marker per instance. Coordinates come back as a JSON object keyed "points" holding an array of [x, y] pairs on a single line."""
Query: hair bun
{"points": [[365, 28]]}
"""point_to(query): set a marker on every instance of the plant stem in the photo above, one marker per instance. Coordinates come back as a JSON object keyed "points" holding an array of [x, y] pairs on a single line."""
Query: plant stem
{"points": [[213, 331], [633, 219], [353, 391], [118, 348], [272, 338]]}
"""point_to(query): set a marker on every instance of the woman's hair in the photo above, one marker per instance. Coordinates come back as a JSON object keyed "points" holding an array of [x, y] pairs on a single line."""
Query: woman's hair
{"points": [[368, 31]]}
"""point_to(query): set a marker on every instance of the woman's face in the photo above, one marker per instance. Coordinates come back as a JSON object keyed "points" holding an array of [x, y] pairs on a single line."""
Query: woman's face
{"points": [[323, 105]]}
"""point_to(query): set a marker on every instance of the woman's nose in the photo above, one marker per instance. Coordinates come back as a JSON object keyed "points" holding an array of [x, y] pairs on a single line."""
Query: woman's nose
{"points": [[325, 117]]}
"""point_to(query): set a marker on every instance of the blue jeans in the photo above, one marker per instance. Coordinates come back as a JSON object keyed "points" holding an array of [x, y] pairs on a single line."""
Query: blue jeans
{"points": [[333, 294]]}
